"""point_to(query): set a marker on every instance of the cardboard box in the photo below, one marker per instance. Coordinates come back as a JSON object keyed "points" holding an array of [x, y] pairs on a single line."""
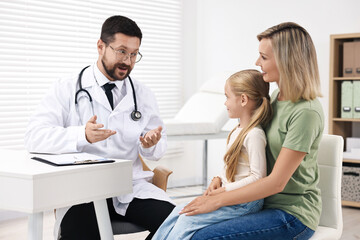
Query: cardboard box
{"points": [[357, 59], [347, 99], [349, 59]]}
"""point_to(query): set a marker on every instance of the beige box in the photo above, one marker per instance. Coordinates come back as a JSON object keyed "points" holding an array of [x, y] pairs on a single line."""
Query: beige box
{"points": [[357, 59], [349, 59]]}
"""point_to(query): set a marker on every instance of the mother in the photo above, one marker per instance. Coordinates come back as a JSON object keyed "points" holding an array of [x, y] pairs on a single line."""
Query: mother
{"points": [[292, 205]]}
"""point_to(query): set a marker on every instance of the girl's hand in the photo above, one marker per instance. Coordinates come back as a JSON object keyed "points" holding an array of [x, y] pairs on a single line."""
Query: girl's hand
{"points": [[215, 184], [199, 205], [217, 191]]}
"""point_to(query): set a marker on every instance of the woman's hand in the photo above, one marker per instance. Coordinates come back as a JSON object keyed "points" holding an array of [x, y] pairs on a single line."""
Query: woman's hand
{"points": [[202, 204], [215, 184]]}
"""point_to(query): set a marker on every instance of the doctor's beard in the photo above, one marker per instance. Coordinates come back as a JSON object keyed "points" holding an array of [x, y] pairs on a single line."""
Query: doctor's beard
{"points": [[111, 71]]}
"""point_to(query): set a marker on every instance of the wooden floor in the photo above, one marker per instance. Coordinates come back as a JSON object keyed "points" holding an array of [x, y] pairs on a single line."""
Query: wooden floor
{"points": [[351, 219], [17, 229]]}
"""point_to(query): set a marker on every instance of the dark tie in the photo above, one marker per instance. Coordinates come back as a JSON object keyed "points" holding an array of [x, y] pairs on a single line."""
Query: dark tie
{"points": [[108, 87]]}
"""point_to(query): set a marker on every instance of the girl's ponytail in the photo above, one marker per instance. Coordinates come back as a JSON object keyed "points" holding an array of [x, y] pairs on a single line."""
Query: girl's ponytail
{"points": [[250, 83]]}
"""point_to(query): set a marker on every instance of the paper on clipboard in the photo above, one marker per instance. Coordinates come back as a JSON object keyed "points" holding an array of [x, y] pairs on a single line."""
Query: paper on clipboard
{"points": [[69, 159]]}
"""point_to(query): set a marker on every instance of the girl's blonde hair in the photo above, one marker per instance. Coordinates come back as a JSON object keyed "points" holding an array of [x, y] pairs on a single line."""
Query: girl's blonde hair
{"points": [[295, 57], [251, 83]]}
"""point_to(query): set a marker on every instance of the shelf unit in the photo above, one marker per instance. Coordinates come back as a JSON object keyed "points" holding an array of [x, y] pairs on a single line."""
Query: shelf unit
{"points": [[337, 125]]}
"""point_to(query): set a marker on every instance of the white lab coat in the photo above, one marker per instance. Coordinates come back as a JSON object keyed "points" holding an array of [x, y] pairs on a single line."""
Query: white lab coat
{"points": [[56, 128]]}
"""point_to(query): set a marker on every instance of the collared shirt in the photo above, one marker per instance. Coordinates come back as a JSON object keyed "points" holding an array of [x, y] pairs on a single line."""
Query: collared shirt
{"points": [[118, 92]]}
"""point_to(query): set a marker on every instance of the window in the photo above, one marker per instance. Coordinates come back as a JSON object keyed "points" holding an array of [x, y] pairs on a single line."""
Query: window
{"points": [[45, 40]]}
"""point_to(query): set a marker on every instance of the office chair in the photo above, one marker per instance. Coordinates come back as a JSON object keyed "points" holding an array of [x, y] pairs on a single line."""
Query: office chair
{"points": [[330, 165], [160, 179]]}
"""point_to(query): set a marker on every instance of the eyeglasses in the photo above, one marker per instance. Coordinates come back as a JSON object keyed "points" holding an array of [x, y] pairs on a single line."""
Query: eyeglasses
{"points": [[124, 55]]}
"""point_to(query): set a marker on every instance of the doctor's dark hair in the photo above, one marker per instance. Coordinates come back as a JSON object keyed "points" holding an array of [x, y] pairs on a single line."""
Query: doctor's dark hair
{"points": [[251, 83], [119, 24]]}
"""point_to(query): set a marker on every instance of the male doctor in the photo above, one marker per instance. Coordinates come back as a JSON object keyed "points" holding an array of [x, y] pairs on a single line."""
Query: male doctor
{"points": [[106, 127]]}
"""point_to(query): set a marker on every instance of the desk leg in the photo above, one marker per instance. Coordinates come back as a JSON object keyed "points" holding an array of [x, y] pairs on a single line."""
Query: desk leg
{"points": [[205, 164], [103, 220], [35, 226]]}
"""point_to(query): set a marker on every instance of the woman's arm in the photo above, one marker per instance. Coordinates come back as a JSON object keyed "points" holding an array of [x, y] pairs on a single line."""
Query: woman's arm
{"points": [[286, 164]]}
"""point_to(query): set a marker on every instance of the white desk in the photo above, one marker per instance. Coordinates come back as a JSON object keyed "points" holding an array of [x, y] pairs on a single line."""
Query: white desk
{"points": [[205, 138], [33, 187]]}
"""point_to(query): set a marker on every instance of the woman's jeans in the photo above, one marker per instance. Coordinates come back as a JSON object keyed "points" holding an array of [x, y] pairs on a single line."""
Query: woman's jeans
{"points": [[182, 227], [268, 224]]}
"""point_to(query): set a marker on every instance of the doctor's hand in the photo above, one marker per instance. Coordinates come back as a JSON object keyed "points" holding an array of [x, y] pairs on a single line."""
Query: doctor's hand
{"points": [[151, 138], [93, 133]]}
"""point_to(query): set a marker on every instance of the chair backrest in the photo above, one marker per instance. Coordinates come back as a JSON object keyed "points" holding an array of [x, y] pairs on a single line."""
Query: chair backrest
{"points": [[145, 167], [330, 165]]}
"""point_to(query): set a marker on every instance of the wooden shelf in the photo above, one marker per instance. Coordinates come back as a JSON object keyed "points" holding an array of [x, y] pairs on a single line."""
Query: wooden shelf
{"points": [[350, 203], [340, 126], [346, 119], [351, 161], [346, 78], [345, 36]]}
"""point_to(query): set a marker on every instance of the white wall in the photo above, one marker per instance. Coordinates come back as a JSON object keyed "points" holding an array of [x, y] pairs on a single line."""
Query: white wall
{"points": [[226, 38]]}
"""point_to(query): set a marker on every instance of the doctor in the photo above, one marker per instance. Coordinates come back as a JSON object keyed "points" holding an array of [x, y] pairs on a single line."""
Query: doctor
{"points": [[84, 114]]}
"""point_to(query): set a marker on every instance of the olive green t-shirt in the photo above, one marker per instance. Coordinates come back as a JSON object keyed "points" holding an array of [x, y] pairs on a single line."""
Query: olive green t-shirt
{"points": [[297, 126]]}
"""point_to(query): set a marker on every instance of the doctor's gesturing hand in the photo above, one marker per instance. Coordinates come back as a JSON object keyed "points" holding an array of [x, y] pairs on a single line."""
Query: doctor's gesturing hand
{"points": [[93, 132], [151, 138]]}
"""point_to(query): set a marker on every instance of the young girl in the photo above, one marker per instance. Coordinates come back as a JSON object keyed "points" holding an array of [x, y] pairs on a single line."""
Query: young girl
{"points": [[245, 160]]}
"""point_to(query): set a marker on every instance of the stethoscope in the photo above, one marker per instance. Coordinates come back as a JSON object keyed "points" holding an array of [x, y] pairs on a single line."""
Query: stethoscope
{"points": [[135, 115]]}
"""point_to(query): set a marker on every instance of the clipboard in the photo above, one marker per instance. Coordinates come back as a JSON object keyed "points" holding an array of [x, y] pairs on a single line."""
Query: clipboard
{"points": [[70, 159]]}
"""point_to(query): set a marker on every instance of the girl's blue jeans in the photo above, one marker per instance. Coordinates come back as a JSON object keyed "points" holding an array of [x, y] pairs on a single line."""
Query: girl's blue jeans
{"points": [[182, 227], [268, 224]]}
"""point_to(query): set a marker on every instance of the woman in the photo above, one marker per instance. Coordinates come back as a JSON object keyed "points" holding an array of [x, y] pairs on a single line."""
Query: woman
{"points": [[292, 204]]}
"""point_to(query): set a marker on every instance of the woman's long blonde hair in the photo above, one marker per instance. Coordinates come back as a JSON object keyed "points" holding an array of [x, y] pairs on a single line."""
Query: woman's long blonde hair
{"points": [[251, 83], [295, 57]]}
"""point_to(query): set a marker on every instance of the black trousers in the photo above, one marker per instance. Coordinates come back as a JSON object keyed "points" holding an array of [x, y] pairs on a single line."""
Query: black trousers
{"points": [[79, 223]]}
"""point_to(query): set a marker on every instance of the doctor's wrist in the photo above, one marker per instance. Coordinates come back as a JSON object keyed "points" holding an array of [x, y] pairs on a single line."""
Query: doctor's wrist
{"points": [[81, 139]]}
